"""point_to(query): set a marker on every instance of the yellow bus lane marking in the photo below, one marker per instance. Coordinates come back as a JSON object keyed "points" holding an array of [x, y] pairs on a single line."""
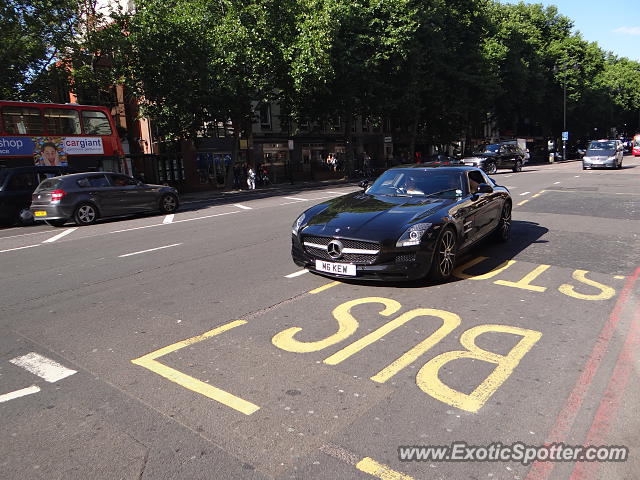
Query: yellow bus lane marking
{"points": [[367, 464], [370, 466], [324, 287], [605, 292], [149, 362], [536, 195]]}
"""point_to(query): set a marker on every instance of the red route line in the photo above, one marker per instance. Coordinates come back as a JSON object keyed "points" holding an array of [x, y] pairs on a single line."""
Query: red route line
{"points": [[606, 413], [567, 416]]}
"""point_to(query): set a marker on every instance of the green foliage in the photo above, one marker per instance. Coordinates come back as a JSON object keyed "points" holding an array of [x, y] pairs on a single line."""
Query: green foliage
{"points": [[33, 34]]}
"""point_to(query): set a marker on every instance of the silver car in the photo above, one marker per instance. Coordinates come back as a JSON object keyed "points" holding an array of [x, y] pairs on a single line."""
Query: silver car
{"points": [[85, 197], [603, 154]]}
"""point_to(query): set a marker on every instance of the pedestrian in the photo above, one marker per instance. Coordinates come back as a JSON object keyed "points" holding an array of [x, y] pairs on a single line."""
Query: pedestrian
{"points": [[236, 177], [251, 178]]}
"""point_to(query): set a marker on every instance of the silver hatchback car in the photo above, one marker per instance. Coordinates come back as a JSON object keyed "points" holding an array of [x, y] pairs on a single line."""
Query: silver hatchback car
{"points": [[85, 197], [603, 154]]}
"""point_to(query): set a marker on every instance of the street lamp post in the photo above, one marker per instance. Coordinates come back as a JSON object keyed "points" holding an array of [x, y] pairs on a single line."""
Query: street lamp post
{"points": [[564, 119]]}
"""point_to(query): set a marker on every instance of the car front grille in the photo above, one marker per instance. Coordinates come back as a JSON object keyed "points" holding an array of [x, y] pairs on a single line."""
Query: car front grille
{"points": [[317, 249]]}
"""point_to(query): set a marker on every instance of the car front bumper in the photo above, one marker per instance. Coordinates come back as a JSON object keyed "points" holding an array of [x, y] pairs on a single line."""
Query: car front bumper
{"points": [[599, 163], [392, 264]]}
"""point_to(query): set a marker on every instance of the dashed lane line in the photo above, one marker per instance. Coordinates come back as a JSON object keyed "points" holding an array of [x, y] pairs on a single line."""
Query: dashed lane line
{"points": [[244, 207], [60, 235], [168, 218], [23, 392], [149, 250], [296, 274], [43, 367], [18, 248]]}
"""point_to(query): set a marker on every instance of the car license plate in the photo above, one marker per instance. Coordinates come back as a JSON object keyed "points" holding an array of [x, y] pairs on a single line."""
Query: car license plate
{"points": [[40, 213], [336, 268]]}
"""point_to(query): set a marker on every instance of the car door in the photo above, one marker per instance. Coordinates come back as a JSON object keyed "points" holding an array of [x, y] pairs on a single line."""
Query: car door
{"points": [[484, 219], [128, 192], [17, 194], [99, 190]]}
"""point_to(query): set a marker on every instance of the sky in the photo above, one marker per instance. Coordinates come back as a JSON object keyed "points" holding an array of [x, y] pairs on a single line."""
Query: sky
{"points": [[614, 24]]}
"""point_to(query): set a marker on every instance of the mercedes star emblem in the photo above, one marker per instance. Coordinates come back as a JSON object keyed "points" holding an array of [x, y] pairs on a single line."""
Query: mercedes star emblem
{"points": [[335, 249]]}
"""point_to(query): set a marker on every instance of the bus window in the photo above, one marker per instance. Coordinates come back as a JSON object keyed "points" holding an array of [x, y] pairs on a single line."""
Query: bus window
{"points": [[62, 121], [95, 123], [22, 120]]}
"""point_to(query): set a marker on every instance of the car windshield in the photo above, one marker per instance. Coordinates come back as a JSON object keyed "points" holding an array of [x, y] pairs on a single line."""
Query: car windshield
{"points": [[418, 183], [493, 148], [49, 184], [602, 145]]}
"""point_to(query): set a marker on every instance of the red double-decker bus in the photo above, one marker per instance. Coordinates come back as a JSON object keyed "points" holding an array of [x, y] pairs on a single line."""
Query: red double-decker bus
{"points": [[83, 137]]}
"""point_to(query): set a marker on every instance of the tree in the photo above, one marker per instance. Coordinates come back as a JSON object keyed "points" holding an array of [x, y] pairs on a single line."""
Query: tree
{"points": [[34, 35]]}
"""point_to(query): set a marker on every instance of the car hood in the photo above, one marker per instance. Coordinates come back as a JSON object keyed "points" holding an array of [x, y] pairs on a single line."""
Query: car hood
{"points": [[361, 215]]}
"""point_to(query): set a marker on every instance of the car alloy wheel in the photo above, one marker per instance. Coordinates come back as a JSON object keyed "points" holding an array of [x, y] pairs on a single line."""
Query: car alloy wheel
{"points": [[518, 166], [503, 231], [490, 168], [85, 214], [168, 203], [445, 255]]}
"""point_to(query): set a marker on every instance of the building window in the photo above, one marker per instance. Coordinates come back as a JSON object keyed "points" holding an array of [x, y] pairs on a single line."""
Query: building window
{"points": [[265, 116]]}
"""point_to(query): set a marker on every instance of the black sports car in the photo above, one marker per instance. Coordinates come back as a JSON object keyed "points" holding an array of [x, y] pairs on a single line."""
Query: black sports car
{"points": [[410, 223]]}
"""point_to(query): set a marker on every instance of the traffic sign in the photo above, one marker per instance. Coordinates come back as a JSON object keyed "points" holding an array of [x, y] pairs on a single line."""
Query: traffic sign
{"points": [[565, 136]]}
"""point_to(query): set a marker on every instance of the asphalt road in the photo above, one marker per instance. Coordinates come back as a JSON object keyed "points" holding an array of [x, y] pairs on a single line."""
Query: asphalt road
{"points": [[191, 347]]}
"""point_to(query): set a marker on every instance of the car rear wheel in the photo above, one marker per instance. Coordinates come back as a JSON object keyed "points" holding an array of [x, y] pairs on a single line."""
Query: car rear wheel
{"points": [[444, 257], [503, 230], [25, 217], [56, 223], [490, 168], [85, 214], [518, 166], [168, 203]]}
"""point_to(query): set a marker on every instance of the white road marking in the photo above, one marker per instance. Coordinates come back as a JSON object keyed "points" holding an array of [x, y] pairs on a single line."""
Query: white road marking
{"points": [[168, 218], [206, 216], [149, 250], [576, 176], [244, 207], [18, 248], [24, 234], [296, 198], [510, 187], [43, 367], [296, 274], [60, 235], [19, 393], [555, 183], [525, 193]]}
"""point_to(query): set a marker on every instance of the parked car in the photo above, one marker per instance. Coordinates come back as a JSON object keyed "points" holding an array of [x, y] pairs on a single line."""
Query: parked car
{"points": [[412, 222], [16, 186], [498, 155], [603, 153], [440, 159], [85, 197]]}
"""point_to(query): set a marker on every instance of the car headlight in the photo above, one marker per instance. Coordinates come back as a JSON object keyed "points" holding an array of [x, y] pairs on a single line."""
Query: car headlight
{"points": [[413, 235], [588, 159], [297, 224], [611, 159]]}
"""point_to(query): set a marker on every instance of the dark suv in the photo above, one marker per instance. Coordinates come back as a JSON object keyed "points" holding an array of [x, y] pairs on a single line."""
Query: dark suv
{"points": [[16, 186], [498, 155], [85, 197]]}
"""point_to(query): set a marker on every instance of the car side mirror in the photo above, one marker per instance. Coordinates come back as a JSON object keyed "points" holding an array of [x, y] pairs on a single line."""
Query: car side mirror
{"points": [[364, 184], [484, 188]]}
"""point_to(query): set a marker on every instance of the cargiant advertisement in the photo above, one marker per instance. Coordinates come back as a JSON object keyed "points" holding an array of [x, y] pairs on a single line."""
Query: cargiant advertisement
{"points": [[50, 150]]}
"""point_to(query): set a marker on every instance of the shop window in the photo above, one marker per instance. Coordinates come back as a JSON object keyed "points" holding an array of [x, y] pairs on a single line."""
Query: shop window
{"points": [[22, 121]]}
